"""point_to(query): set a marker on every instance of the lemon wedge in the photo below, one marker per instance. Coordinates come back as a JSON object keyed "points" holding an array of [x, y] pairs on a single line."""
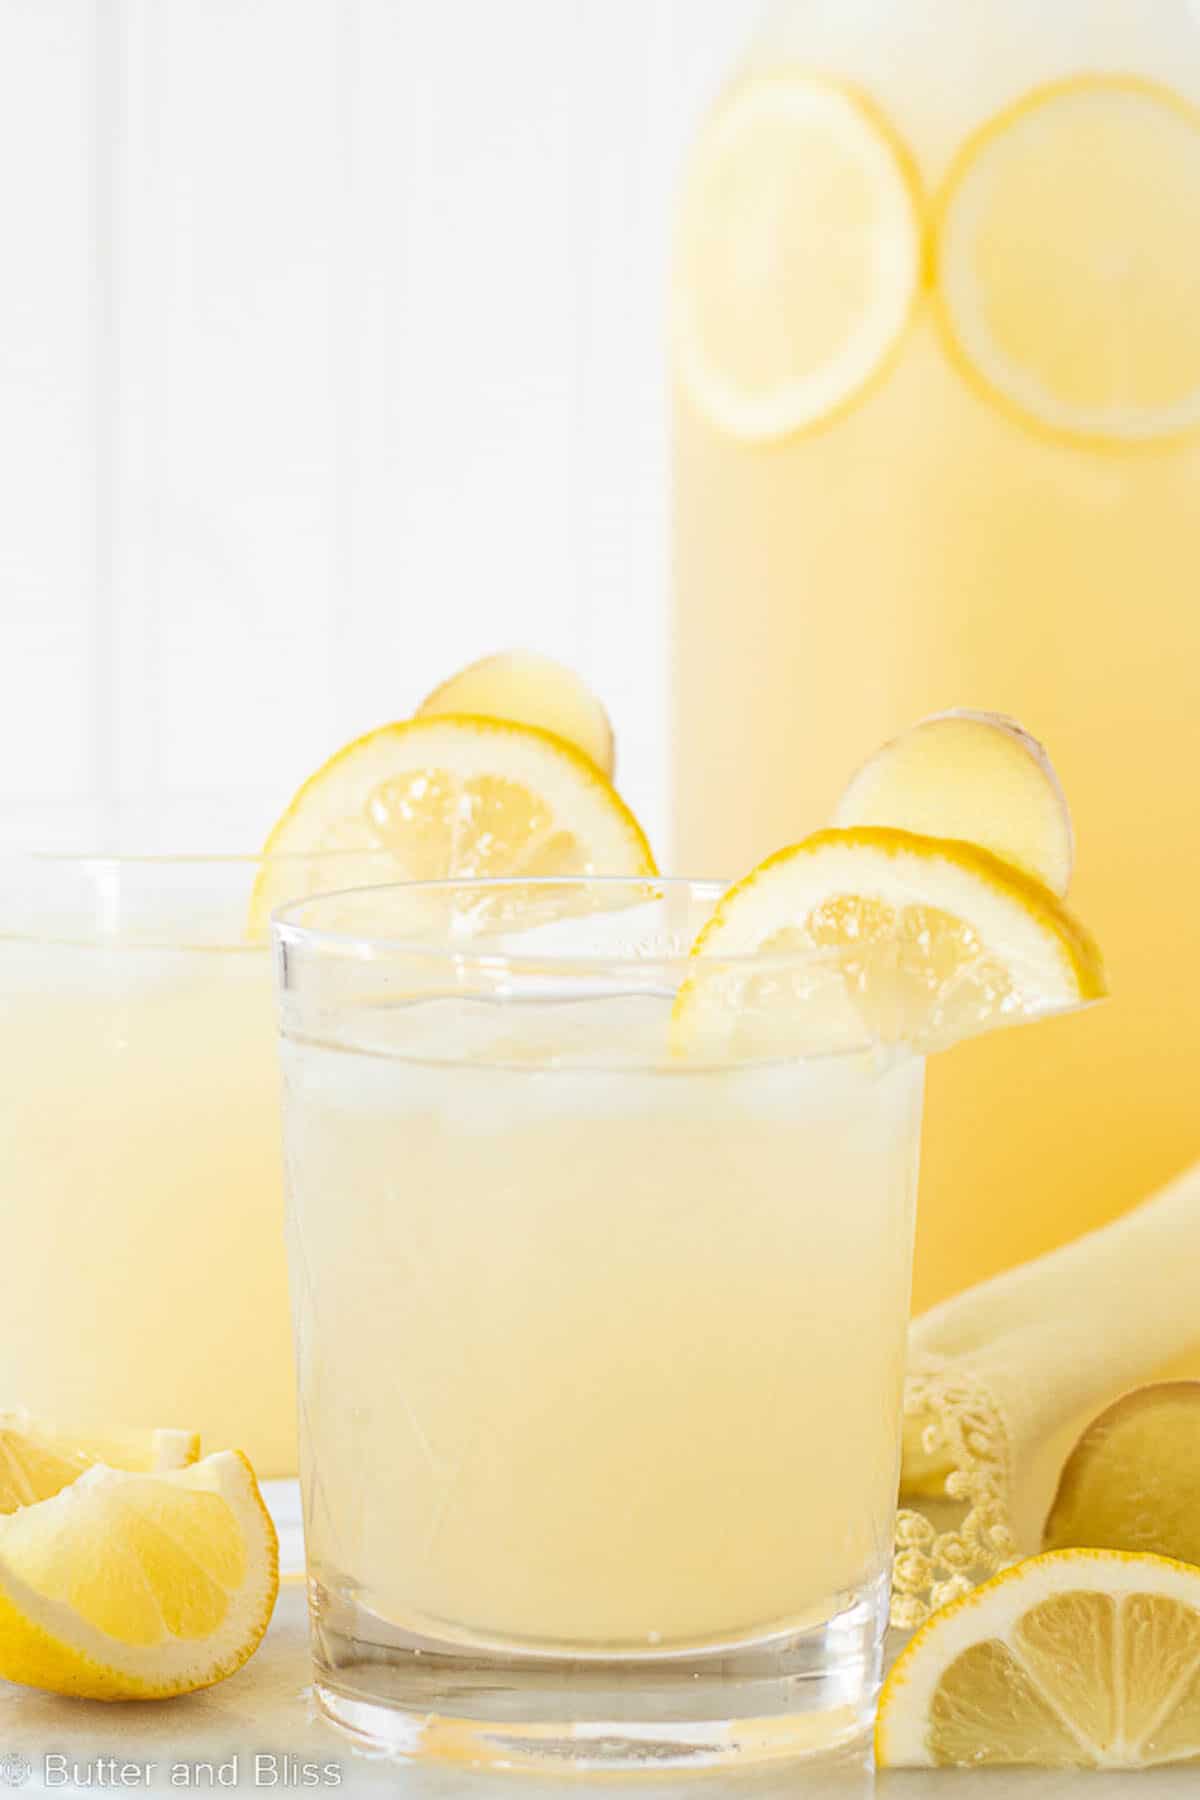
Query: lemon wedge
{"points": [[1078, 1659], [972, 775], [1068, 261], [1133, 1480], [456, 796], [871, 935], [798, 257], [127, 1586], [529, 689], [37, 1460]]}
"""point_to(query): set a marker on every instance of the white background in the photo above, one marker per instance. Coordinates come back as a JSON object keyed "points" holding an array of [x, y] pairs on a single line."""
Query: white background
{"points": [[330, 357]]}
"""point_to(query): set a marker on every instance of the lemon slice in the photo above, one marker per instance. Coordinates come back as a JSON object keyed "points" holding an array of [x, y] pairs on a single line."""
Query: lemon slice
{"points": [[971, 775], [872, 935], [1133, 1480], [798, 257], [1081, 1658], [1068, 260], [125, 1586], [529, 689], [37, 1460], [459, 796]]}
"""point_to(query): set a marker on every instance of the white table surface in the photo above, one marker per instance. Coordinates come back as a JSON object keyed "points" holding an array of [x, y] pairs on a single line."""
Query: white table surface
{"points": [[264, 1711]]}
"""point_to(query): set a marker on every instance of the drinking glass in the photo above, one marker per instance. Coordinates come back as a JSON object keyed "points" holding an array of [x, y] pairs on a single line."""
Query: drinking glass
{"points": [[600, 1342], [139, 1144]]}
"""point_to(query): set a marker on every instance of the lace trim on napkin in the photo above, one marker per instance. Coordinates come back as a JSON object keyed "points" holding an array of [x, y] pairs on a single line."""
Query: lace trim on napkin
{"points": [[962, 1429]]}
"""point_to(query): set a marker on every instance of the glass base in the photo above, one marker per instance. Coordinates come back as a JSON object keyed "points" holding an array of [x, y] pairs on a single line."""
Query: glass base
{"points": [[798, 1693]]}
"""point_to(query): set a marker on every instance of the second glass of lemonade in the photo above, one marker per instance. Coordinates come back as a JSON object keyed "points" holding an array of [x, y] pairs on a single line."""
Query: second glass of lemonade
{"points": [[139, 1144], [600, 1345]]}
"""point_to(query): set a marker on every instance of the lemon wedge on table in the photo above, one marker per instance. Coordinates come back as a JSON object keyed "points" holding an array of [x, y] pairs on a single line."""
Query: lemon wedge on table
{"points": [[437, 798], [128, 1586], [1068, 261], [798, 258], [893, 937], [971, 775], [528, 689], [1132, 1481], [1079, 1658], [37, 1460]]}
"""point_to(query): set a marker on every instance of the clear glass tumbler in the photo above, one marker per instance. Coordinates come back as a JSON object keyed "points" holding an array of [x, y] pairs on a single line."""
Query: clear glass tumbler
{"points": [[600, 1345], [139, 1146]]}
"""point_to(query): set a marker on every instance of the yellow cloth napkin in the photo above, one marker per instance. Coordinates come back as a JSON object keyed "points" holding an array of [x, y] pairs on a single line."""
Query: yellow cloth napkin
{"points": [[996, 1372]]}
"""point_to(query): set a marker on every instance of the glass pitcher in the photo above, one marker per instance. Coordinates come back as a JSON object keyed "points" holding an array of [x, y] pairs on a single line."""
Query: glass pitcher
{"points": [[936, 327]]}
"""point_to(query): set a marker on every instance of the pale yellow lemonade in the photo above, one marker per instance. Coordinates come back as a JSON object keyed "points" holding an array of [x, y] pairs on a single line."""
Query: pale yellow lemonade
{"points": [[993, 499], [140, 1135], [596, 1353]]}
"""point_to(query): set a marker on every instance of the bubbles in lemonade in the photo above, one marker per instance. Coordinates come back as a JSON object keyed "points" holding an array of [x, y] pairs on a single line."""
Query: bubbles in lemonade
{"points": [[983, 489], [575, 1294]]}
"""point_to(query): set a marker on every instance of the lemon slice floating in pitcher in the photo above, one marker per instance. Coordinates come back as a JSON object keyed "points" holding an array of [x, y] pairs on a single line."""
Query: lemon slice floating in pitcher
{"points": [[127, 1586], [456, 797], [798, 256], [1068, 261], [972, 775], [1077, 1659], [892, 937]]}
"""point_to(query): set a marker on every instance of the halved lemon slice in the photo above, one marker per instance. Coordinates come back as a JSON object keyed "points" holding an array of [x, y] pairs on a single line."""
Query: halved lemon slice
{"points": [[1079, 1659], [872, 935], [798, 256], [37, 1460], [430, 799], [125, 1586], [1132, 1481], [1068, 260], [529, 689], [972, 775]]}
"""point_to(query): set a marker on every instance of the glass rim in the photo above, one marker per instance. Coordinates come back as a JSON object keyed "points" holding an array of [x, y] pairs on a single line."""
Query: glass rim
{"points": [[160, 859], [289, 930]]}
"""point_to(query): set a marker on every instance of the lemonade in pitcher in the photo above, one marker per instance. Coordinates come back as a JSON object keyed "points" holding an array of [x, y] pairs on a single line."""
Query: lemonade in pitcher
{"points": [[936, 346]]}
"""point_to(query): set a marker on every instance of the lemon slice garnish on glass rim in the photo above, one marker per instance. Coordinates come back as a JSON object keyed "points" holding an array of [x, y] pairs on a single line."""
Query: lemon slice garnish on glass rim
{"points": [[1068, 261], [894, 938], [1079, 1658], [37, 1460], [459, 797], [131, 1586], [798, 256]]}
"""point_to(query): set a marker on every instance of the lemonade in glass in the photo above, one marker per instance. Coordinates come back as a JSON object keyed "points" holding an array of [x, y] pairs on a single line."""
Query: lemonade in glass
{"points": [[600, 1215], [600, 1349]]}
